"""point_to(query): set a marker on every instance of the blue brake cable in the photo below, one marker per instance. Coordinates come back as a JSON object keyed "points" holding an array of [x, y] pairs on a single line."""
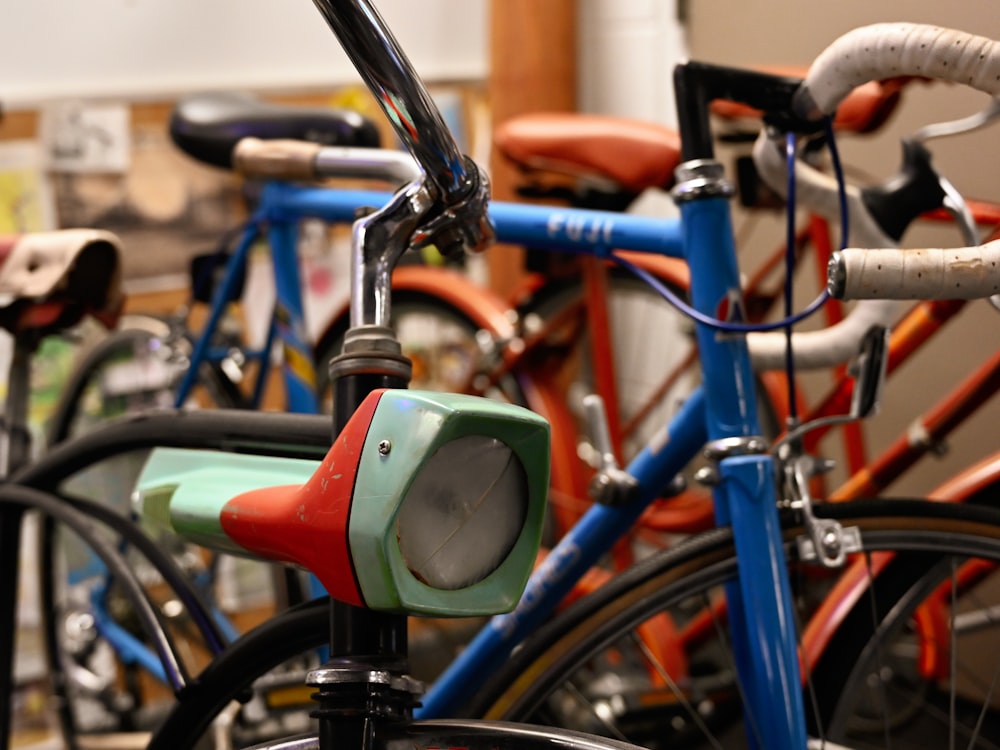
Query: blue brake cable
{"points": [[790, 248], [730, 327]]}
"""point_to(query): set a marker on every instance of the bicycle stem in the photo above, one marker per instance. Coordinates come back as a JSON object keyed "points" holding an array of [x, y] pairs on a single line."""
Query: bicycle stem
{"points": [[378, 242]]}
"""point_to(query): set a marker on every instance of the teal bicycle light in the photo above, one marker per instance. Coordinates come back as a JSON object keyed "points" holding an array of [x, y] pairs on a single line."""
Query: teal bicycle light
{"points": [[427, 503], [448, 503]]}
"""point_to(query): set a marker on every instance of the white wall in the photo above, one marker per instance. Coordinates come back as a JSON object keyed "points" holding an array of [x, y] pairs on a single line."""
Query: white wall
{"points": [[780, 32], [626, 53], [51, 49]]}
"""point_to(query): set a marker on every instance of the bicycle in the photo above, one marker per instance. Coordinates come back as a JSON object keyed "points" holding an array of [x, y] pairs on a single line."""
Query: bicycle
{"points": [[574, 459], [500, 218], [978, 522]]}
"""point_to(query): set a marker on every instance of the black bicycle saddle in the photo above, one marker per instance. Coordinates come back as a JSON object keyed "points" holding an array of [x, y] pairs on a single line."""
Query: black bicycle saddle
{"points": [[208, 126]]}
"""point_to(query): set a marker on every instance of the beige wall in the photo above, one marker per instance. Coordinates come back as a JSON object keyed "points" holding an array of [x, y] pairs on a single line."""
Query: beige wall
{"points": [[793, 32]]}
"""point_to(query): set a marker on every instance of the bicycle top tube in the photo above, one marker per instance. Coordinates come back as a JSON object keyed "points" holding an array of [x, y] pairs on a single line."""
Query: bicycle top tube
{"points": [[558, 229]]}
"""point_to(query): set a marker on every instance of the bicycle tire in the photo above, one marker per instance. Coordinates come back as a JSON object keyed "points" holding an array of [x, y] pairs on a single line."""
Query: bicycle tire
{"points": [[440, 340], [575, 635], [89, 532], [300, 629], [528, 687]]}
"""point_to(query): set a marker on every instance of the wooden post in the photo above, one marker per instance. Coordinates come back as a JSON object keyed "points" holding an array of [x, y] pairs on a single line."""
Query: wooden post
{"points": [[532, 69]]}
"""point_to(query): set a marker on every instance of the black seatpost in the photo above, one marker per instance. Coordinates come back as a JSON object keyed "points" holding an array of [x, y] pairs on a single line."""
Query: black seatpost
{"points": [[15, 451]]}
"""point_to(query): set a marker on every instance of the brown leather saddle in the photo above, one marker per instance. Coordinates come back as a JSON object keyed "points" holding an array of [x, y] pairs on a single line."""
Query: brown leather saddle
{"points": [[49, 281]]}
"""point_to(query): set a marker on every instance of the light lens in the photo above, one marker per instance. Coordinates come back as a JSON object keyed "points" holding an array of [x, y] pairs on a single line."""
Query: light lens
{"points": [[463, 513]]}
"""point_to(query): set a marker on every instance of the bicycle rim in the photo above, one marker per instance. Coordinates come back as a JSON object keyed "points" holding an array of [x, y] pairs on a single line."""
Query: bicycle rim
{"points": [[646, 659]]}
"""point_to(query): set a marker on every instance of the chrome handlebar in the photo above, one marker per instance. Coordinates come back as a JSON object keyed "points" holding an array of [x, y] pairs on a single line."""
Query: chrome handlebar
{"points": [[446, 206], [456, 183]]}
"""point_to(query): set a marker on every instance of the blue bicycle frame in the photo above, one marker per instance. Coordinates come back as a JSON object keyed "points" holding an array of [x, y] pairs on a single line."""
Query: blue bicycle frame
{"points": [[723, 409], [764, 638]]}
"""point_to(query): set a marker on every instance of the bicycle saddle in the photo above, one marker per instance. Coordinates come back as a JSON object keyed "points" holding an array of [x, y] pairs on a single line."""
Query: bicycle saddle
{"points": [[208, 126], [633, 154], [50, 280]]}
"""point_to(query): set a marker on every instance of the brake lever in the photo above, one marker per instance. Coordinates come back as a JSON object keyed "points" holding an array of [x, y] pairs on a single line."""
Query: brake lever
{"points": [[956, 205]]}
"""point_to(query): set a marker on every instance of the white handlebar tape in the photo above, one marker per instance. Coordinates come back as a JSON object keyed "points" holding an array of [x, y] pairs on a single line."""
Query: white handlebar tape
{"points": [[826, 347], [838, 343], [888, 50], [931, 273], [875, 53]]}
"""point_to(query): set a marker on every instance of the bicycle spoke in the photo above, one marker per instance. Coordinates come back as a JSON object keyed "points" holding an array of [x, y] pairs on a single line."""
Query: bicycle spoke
{"points": [[880, 660], [732, 666], [983, 710], [603, 717], [954, 658], [675, 689], [985, 616]]}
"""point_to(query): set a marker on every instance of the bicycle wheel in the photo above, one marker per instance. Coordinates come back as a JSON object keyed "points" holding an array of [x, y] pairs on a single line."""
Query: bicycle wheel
{"points": [[646, 658], [652, 352], [129, 371], [87, 398], [441, 341]]}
